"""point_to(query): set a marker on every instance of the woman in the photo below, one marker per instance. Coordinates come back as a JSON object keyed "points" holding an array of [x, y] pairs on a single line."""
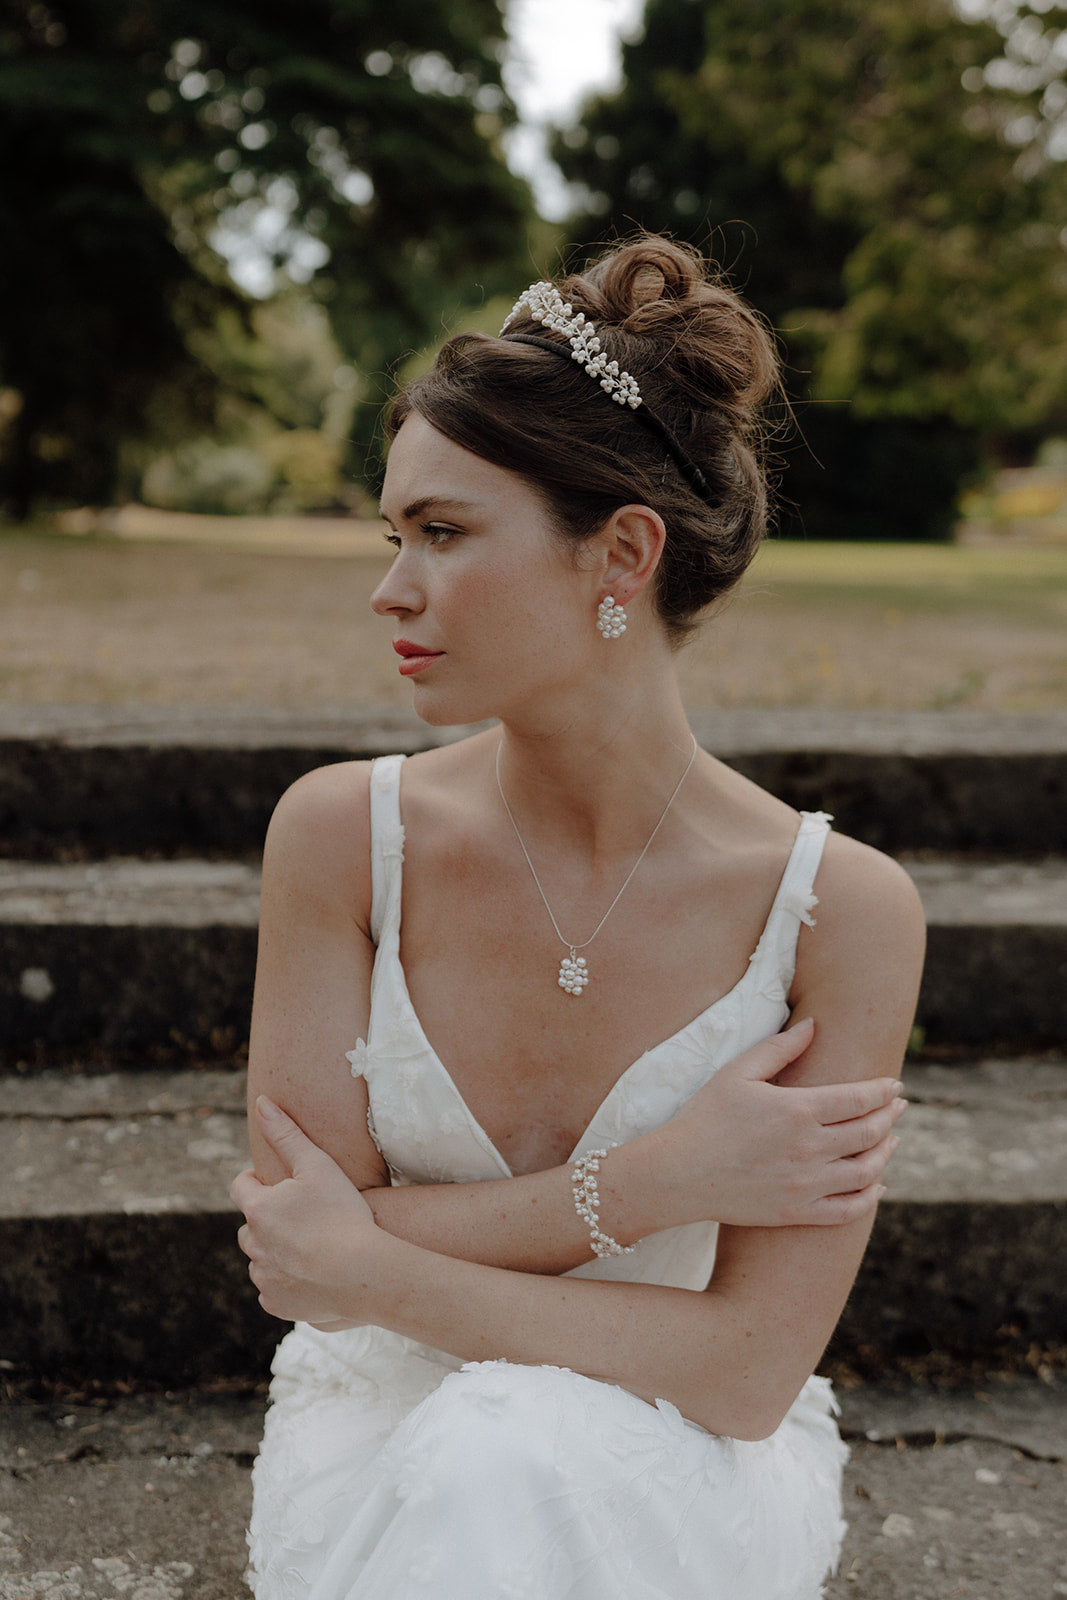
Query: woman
{"points": [[558, 957]]}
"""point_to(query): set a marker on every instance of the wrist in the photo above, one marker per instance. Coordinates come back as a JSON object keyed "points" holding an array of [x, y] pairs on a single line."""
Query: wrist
{"points": [[366, 1277], [631, 1200], [656, 1196]]}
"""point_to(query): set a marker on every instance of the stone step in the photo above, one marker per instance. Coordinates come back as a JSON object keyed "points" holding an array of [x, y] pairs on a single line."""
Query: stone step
{"points": [[95, 781], [126, 955], [151, 1493], [158, 957], [118, 1255]]}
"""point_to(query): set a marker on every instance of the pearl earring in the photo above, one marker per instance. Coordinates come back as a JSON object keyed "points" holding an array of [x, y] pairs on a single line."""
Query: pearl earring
{"points": [[610, 618]]}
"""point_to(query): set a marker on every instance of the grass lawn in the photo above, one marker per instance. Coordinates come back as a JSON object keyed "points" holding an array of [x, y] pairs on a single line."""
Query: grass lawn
{"points": [[229, 612]]}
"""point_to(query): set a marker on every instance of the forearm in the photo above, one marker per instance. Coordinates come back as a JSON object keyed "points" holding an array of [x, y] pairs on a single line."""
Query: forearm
{"points": [[529, 1223], [740, 1151], [660, 1343]]}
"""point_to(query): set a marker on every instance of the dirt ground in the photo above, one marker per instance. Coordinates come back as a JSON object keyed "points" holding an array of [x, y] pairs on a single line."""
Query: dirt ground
{"points": [[281, 617]]}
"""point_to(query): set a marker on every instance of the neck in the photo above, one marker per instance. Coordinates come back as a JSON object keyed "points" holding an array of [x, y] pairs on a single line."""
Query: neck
{"points": [[599, 778]]}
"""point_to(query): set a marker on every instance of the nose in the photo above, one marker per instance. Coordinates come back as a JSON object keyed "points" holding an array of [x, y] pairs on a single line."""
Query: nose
{"points": [[399, 592]]}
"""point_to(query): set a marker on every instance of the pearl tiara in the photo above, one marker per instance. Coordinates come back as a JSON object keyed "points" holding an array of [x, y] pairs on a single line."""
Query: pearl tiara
{"points": [[548, 307]]}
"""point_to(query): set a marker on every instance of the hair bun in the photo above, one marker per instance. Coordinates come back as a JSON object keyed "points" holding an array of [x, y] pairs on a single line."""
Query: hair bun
{"points": [[713, 346], [704, 362]]}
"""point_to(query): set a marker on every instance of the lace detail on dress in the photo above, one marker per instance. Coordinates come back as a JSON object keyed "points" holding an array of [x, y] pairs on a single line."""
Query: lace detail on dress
{"points": [[802, 905], [391, 1470], [357, 1058]]}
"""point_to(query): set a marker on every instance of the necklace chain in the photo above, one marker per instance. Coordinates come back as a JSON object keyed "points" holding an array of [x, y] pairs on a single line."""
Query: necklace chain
{"points": [[573, 975]]}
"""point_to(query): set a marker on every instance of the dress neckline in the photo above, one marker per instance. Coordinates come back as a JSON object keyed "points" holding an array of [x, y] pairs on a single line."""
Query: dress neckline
{"points": [[701, 1020]]}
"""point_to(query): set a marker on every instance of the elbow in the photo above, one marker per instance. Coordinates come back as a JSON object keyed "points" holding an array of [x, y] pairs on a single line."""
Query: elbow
{"points": [[749, 1424], [757, 1426], [747, 1417], [748, 1427]]}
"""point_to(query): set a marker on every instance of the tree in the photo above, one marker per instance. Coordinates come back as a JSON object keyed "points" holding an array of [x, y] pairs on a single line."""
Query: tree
{"points": [[140, 140], [895, 170]]}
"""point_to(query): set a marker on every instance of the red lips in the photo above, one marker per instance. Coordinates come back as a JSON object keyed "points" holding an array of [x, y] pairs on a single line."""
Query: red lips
{"points": [[416, 656], [404, 647]]}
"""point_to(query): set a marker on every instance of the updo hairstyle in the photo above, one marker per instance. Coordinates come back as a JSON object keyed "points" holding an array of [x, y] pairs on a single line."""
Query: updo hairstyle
{"points": [[705, 365]]}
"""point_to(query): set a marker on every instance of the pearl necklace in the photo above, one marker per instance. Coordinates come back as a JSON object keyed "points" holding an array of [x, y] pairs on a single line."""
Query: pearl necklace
{"points": [[573, 968]]}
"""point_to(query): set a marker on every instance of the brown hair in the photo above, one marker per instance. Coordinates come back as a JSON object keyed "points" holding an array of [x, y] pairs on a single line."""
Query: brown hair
{"points": [[705, 364]]}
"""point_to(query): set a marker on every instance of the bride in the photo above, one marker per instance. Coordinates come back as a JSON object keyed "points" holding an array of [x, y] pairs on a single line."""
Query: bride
{"points": [[574, 1054]]}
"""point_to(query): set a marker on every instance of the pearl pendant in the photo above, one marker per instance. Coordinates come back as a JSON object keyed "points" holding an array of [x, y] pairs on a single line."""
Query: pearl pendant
{"points": [[573, 976]]}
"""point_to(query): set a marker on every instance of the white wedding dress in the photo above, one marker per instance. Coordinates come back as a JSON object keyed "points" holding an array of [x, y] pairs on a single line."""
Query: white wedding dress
{"points": [[391, 1471]]}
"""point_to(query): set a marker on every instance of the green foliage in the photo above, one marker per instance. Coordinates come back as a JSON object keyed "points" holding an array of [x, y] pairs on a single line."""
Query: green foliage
{"points": [[891, 162], [201, 475], [140, 139]]}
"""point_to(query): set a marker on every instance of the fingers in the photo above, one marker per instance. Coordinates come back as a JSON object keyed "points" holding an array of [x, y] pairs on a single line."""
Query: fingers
{"points": [[282, 1133], [833, 1210], [843, 1102], [850, 1174], [864, 1133], [244, 1188], [768, 1058]]}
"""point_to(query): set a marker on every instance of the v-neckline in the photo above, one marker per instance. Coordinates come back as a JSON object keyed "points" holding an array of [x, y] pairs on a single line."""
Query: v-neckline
{"points": [[698, 1021], [476, 1127]]}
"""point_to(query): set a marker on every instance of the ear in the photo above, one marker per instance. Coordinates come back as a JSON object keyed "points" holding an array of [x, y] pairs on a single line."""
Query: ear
{"points": [[631, 544]]}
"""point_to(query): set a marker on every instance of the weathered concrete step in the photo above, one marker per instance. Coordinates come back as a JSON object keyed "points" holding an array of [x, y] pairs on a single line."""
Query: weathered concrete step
{"points": [[151, 1494], [118, 1254], [117, 1240], [126, 955], [159, 956], [94, 781], [144, 1495], [996, 953]]}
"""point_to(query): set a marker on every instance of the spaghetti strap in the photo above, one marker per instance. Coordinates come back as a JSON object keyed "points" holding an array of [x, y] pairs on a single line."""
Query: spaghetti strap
{"points": [[391, 1469], [386, 844], [776, 954]]}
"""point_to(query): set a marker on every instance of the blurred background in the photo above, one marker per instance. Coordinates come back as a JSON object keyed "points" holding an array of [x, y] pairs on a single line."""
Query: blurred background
{"points": [[225, 232]]}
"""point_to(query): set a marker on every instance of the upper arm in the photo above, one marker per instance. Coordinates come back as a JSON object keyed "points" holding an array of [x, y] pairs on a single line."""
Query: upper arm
{"points": [[858, 976], [312, 993]]}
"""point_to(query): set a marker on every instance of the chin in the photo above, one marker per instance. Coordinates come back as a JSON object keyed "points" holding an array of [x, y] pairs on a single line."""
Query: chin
{"points": [[445, 711]]}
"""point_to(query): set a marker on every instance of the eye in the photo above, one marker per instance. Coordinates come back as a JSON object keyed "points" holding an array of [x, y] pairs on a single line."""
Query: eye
{"points": [[393, 539], [437, 533]]}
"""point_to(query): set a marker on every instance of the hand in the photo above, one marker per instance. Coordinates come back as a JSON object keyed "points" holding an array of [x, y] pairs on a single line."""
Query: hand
{"points": [[747, 1151], [306, 1237]]}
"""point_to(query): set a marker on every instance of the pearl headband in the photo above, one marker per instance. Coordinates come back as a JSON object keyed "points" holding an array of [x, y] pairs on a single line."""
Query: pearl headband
{"points": [[547, 306]]}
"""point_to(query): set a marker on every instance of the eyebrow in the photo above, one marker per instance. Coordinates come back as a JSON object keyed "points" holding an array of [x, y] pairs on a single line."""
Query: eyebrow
{"points": [[418, 508]]}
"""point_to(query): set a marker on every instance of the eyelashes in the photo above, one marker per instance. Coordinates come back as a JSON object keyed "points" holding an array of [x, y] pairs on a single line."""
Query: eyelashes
{"points": [[435, 533]]}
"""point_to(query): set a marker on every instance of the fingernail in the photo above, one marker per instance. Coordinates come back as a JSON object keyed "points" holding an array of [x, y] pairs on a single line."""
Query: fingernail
{"points": [[893, 1142], [268, 1110], [880, 1191], [898, 1087], [805, 1022]]}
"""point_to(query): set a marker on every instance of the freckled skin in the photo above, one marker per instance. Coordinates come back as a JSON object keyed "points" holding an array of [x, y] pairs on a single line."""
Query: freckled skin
{"points": [[502, 620], [479, 575]]}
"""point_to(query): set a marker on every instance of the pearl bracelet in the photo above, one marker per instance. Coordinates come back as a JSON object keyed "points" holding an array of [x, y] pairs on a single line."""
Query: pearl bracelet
{"points": [[587, 1203]]}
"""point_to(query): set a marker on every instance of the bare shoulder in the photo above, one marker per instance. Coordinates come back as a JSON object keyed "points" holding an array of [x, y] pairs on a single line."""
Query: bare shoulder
{"points": [[865, 893], [318, 841], [858, 967]]}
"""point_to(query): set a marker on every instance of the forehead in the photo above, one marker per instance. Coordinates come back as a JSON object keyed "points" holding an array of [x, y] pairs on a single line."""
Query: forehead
{"points": [[424, 463]]}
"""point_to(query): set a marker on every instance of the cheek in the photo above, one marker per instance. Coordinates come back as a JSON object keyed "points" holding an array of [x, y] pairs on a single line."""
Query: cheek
{"points": [[491, 595], [523, 599]]}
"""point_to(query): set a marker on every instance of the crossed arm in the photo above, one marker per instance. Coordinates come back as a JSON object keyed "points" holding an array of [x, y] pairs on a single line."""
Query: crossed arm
{"points": [[474, 1268]]}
